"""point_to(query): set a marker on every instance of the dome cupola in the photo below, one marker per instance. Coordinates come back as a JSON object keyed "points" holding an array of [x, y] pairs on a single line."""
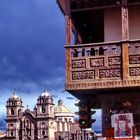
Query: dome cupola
{"points": [[45, 93], [14, 100]]}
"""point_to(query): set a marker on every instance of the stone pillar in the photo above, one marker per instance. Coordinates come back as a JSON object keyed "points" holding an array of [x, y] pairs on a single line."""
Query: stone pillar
{"points": [[65, 126]]}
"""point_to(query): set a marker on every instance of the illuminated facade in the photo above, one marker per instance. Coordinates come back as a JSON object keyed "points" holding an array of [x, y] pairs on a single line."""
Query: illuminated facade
{"points": [[30, 125], [46, 122]]}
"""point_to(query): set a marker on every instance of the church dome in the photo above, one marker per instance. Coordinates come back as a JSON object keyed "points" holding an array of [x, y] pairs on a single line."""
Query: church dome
{"points": [[45, 93], [61, 108], [14, 96]]}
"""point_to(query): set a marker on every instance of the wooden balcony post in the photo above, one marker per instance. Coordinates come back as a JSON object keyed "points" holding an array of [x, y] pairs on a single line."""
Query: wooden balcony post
{"points": [[68, 65], [68, 30], [125, 61], [125, 38]]}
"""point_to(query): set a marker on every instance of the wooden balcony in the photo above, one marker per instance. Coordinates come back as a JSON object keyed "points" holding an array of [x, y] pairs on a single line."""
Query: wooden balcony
{"points": [[103, 66]]}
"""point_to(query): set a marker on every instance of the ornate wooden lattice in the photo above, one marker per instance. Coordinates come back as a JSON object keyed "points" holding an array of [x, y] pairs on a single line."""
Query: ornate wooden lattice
{"points": [[100, 65], [96, 62], [134, 59]]}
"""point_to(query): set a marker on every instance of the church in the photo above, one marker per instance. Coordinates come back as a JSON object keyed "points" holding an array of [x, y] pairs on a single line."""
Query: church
{"points": [[45, 122]]}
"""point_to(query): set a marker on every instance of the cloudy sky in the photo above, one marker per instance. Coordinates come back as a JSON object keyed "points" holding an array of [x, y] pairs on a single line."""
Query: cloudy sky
{"points": [[32, 54]]}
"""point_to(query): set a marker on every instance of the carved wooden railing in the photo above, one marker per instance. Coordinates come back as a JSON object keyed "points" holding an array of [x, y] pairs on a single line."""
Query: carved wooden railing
{"points": [[100, 65], [134, 59]]}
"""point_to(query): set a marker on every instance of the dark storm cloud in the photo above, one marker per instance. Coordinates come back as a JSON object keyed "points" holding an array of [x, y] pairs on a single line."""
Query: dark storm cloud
{"points": [[31, 43]]}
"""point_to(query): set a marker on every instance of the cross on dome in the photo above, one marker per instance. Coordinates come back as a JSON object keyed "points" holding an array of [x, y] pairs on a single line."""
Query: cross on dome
{"points": [[14, 96]]}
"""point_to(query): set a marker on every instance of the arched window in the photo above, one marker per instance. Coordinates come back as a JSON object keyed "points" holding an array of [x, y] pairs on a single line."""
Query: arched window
{"points": [[12, 111], [44, 100], [13, 103], [12, 133], [43, 123], [43, 132], [28, 123], [59, 138], [65, 119], [63, 126], [11, 125], [60, 119], [70, 120], [27, 130], [43, 109], [51, 109], [101, 51], [19, 111]]}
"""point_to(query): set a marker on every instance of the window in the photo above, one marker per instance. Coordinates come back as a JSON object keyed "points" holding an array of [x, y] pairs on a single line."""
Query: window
{"points": [[11, 125], [43, 123], [12, 111], [27, 122], [51, 109], [43, 109], [70, 120], [12, 134], [19, 111], [65, 119], [60, 119], [27, 130], [43, 132]]}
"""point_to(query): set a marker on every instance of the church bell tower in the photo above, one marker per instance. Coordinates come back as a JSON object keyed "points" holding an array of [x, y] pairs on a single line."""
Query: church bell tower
{"points": [[13, 109], [45, 116]]}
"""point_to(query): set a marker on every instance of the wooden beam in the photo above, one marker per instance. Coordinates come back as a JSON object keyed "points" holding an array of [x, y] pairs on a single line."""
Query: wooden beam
{"points": [[125, 61], [125, 25], [125, 37], [68, 65], [68, 30]]}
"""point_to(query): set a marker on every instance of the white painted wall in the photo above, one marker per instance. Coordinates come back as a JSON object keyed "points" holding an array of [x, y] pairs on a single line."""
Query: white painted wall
{"points": [[112, 23], [134, 22]]}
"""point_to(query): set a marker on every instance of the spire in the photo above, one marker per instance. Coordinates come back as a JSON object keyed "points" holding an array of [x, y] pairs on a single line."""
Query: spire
{"points": [[14, 95], [14, 91], [60, 102], [27, 106]]}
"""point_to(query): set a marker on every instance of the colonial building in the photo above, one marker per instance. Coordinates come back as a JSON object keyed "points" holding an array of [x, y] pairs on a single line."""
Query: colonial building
{"points": [[46, 122], [103, 58], [30, 125]]}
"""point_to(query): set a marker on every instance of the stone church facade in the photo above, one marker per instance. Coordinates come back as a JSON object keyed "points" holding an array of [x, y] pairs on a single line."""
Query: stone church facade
{"points": [[46, 122]]}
